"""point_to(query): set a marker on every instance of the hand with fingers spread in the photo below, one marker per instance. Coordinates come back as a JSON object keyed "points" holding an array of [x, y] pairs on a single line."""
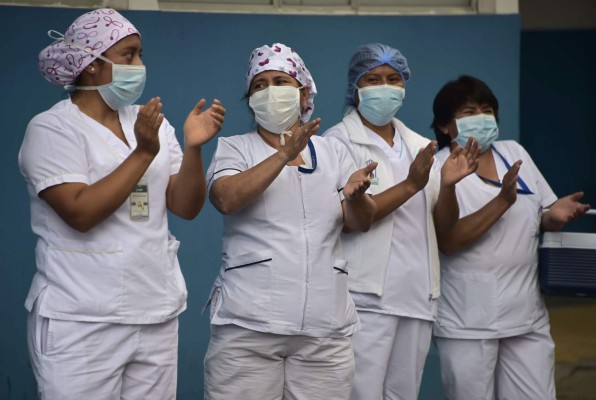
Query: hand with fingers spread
{"points": [[564, 210], [296, 142], [460, 163], [509, 185], [421, 166], [201, 125], [359, 182], [147, 125]]}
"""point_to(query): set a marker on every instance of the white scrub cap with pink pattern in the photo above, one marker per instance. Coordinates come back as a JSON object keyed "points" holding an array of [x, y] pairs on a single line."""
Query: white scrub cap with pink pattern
{"points": [[280, 57], [89, 35]]}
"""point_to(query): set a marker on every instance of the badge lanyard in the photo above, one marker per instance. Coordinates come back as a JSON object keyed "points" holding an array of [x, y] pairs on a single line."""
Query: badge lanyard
{"points": [[524, 188]]}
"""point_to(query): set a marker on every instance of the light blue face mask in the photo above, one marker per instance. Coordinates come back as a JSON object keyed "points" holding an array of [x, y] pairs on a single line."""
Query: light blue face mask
{"points": [[128, 82], [378, 104], [482, 127]]}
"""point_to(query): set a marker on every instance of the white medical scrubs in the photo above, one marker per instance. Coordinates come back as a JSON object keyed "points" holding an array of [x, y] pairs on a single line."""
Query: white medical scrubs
{"points": [[282, 274], [391, 346], [492, 329], [123, 273]]}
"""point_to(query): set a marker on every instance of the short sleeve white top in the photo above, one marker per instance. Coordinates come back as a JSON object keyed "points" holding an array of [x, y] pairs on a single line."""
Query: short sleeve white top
{"points": [[281, 272], [490, 289], [122, 270]]}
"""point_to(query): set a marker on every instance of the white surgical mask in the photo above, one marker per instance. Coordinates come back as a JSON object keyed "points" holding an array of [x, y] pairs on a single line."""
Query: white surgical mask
{"points": [[482, 127], [378, 104], [276, 108], [128, 82]]}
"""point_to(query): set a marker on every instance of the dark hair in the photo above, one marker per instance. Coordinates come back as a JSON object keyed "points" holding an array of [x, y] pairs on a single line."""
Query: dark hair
{"points": [[453, 96]]}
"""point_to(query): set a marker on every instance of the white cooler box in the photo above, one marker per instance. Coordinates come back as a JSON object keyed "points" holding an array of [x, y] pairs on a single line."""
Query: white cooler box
{"points": [[567, 263]]}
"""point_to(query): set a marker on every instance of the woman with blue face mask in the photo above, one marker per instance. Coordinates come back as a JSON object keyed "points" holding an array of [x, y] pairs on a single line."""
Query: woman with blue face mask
{"points": [[394, 268], [492, 330], [281, 314], [102, 174]]}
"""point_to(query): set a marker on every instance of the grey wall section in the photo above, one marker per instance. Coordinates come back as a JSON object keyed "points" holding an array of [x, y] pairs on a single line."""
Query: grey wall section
{"points": [[190, 56], [558, 103]]}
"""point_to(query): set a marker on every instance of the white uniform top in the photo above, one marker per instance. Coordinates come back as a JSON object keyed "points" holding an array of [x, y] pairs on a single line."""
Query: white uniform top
{"points": [[490, 289], [120, 271], [406, 291], [370, 254], [279, 272]]}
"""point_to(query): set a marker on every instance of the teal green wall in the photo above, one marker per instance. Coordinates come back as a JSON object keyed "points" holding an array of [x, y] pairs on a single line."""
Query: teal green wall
{"points": [[189, 56], [558, 104]]}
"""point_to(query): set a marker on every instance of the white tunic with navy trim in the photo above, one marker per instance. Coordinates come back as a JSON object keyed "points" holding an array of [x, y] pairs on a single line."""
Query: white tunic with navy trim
{"points": [[490, 288], [281, 272]]}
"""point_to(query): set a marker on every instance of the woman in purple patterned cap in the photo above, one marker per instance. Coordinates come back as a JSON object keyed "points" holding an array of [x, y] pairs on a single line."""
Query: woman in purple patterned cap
{"points": [[101, 173], [281, 314]]}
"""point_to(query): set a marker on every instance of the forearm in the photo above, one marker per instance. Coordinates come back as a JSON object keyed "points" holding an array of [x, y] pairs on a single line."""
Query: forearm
{"points": [[470, 228], [186, 190], [359, 213], [550, 224], [446, 211], [393, 198], [230, 194], [85, 206]]}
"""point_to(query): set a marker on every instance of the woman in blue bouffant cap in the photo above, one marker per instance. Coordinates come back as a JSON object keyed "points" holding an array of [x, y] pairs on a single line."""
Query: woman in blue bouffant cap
{"points": [[394, 267]]}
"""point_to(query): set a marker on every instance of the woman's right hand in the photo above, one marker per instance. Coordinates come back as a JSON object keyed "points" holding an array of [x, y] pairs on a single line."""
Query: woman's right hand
{"points": [[147, 125], [295, 143], [419, 171], [509, 185]]}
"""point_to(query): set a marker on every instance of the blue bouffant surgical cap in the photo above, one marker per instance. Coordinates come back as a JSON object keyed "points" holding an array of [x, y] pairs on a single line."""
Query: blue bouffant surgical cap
{"points": [[370, 56]]}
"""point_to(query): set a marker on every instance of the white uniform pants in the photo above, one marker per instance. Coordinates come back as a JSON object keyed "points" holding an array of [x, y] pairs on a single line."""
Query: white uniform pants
{"points": [[249, 365], [100, 361], [390, 353], [516, 368]]}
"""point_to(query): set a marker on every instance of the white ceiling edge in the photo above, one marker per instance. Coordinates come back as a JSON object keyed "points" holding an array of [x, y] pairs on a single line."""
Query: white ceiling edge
{"points": [[479, 6]]}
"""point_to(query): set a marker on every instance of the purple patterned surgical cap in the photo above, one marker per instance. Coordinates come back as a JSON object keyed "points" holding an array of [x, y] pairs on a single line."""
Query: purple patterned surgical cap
{"points": [[280, 57], [96, 31]]}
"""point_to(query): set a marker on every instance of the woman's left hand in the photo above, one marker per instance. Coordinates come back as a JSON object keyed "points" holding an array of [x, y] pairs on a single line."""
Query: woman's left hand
{"points": [[359, 182], [201, 125], [564, 210], [460, 163]]}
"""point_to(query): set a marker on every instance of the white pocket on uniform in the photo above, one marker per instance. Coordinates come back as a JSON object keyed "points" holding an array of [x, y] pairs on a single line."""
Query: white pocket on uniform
{"points": [[468, 300], [342, 301], [246, 286]]}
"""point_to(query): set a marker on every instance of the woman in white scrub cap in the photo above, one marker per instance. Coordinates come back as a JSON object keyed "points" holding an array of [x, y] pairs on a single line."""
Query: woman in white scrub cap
{"points": [[492, 330], [281, 314], [101, 174], [394, 267]]}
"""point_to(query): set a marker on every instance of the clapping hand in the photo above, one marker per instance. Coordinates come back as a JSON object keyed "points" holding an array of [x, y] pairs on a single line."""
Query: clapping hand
{"points": [[201, 125], [359, 182]]}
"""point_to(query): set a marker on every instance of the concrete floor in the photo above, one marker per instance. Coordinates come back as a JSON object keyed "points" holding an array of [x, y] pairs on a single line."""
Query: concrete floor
{"points": [[573, 327]]}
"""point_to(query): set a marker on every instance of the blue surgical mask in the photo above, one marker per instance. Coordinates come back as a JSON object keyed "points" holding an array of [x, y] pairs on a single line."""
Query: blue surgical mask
{"points": [[482, 127], [378, 104], [128, 82]]}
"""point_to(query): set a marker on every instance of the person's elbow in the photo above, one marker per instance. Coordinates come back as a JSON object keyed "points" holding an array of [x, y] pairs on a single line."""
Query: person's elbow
{"points": [[78, 221], [449, 246], [187, 215], [188, 209], [224, 204], [446, 249]]}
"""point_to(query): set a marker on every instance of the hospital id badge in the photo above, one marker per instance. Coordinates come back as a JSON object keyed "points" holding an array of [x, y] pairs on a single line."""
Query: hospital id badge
{"points": [[139, 201], [374, 179]]}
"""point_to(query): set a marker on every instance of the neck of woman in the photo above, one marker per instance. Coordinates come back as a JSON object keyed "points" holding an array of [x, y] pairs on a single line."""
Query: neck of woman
{"points": [[92, 104]]}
